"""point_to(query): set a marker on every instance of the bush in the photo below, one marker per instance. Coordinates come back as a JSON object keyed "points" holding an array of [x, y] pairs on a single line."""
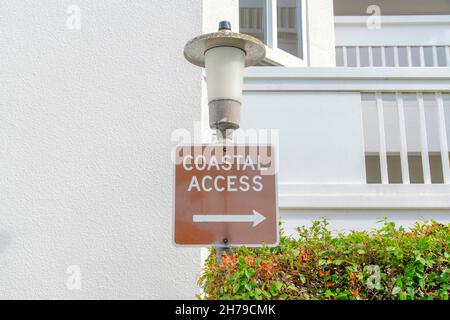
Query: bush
{"points": [[387, 263]]}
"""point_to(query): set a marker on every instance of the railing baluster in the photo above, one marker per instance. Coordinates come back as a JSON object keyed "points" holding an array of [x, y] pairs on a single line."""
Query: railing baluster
{"points": [[370, 56], [435, 56], [396, 58], [423, 140], [422, 56], [447, 55], [358, 58], [409, 56], [403, 142], [443, 138], [382, 136], [344, 55]]}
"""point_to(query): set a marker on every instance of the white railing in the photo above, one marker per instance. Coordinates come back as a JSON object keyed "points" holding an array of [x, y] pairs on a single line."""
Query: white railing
{"points": [[405, 116], [427, 136], [393, 56], [392, 41]]}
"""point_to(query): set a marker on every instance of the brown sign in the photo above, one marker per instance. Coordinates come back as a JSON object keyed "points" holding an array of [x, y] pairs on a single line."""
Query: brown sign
{"points": [[225, 196]]}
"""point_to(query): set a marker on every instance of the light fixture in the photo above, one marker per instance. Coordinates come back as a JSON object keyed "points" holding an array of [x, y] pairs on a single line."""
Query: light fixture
{"points": [[224, 55]]}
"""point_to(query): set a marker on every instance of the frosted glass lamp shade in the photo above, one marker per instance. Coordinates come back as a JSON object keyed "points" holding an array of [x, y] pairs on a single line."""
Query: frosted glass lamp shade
{"points": [[224, 73], [224, 54]]}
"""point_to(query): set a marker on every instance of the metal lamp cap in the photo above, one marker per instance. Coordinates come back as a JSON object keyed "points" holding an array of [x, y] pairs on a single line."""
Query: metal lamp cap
{"points": [[224, 25], [194, 50]]}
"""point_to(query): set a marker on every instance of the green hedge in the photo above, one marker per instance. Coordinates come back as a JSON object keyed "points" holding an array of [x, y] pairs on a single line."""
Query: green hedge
{"points": [[387, 263]]}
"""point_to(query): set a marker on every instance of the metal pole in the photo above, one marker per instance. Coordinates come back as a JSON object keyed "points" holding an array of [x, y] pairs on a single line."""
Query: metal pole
{"points": [[222, 136]]}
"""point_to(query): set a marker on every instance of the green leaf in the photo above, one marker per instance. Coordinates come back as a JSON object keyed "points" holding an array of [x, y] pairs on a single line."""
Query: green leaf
{"points": [[266, 294], [275, 287], [410, 265], [302, 278], [278, 285], [328, 293]]}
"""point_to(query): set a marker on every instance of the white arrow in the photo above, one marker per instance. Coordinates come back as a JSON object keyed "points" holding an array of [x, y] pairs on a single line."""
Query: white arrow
{"points": [[256, 218]]}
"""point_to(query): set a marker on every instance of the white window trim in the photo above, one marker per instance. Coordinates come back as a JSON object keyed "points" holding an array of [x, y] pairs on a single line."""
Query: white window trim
{"points": [[274, 55], [280, 57]]}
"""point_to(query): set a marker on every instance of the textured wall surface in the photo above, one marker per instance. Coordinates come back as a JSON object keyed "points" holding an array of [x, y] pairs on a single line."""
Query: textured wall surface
{"points": [[85, 121]]}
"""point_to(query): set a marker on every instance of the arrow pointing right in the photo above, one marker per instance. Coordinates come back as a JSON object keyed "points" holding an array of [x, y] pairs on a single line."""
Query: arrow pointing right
{"points": [[256, 218]]}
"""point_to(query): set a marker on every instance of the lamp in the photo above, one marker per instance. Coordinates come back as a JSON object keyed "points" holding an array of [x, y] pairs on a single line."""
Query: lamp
{"points": [[224, 55]]}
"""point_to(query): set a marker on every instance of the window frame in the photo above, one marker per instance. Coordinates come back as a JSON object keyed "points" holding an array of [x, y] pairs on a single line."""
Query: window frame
{"points": [[275, 55]]}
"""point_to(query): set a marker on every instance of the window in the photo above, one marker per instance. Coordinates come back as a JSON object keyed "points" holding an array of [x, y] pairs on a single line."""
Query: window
{"points": [[288, 30], [280, 25], [251, 18]]}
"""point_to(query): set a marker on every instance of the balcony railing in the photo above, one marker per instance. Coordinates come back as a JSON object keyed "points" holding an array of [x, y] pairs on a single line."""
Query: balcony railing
{"points": [[393, 41], [405, 119], [393, 56], [406, 133]]}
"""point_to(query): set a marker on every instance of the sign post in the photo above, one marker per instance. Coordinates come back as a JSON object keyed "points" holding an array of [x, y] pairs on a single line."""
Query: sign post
{"points": [[225, 196]]}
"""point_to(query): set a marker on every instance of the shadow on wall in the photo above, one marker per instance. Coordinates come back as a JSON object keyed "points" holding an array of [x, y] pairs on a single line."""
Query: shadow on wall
{"points": [[5, 240]]}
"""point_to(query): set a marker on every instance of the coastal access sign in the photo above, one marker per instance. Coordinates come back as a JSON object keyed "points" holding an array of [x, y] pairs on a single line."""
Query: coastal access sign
{"points": [[225, 196]]}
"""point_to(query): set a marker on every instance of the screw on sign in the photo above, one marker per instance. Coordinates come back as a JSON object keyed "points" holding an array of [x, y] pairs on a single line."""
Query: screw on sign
{"points": [[225, 195]]}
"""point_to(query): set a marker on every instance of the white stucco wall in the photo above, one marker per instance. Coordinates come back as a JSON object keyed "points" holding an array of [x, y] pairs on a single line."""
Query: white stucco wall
{"points": [[85, 122], [215, 11]]}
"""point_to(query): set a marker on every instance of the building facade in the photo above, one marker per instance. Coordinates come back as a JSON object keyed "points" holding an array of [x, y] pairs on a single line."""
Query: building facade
{"points": [[363, 110], [92, 91]]}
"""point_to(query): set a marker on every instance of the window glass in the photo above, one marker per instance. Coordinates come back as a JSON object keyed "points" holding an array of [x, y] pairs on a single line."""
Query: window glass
{"points": [[257, 18], [251, 21], [288, 25]]}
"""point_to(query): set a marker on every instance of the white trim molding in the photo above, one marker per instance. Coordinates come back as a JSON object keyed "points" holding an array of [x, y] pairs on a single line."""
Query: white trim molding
{"points": [[364, 196], [278, 57], [393, 31], [410, 19], [347, 79]]}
